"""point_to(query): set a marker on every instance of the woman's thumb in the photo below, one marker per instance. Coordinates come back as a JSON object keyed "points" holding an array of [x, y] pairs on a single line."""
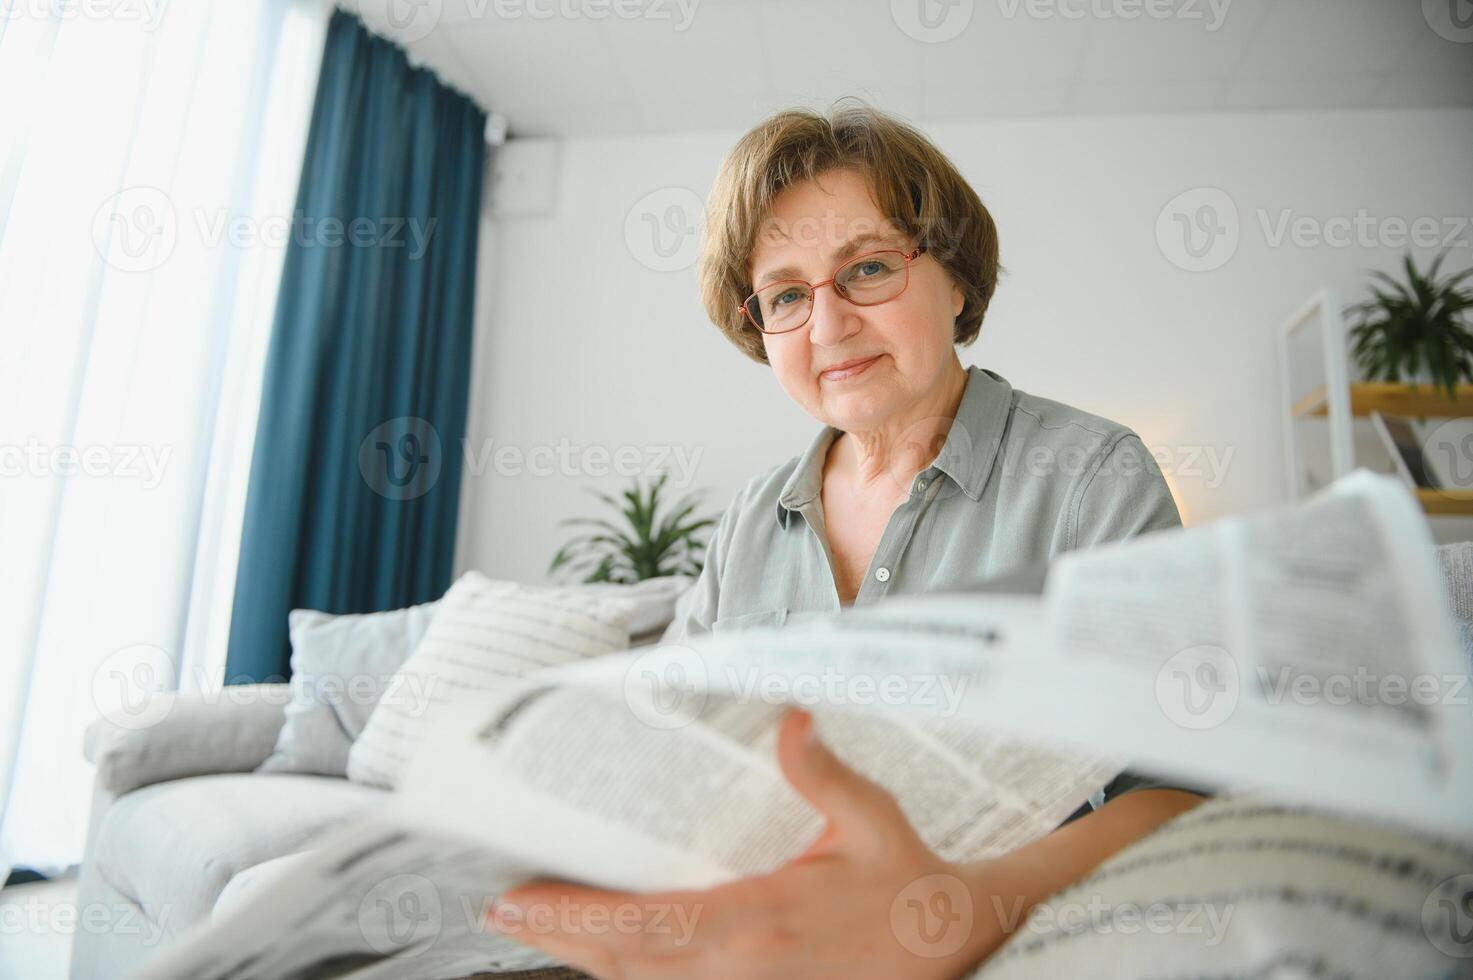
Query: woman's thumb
{"points": [[857, 810]]}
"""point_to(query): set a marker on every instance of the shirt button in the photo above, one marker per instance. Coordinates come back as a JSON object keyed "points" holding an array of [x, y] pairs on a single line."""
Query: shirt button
{"points": [[920, 484], [882, 574]]}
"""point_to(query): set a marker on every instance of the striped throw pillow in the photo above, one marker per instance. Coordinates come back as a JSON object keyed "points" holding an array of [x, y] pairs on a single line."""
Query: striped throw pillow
{"points": [[485, 633], [1243, 887]]}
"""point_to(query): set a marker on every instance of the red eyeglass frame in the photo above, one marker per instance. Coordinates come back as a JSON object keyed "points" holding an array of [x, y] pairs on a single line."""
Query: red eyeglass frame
{"points": [[909, 257]]}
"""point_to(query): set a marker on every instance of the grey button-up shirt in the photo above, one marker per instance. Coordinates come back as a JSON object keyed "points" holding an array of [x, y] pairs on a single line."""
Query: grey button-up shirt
{"points": [[1018, 480]]}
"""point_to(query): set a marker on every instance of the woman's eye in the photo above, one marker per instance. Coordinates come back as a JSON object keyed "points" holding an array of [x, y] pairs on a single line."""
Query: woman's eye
{"points": [[789, 296], [871, 268]]}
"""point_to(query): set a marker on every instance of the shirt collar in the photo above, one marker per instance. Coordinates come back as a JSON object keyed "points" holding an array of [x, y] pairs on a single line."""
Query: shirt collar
{"points": [[971, 446]]}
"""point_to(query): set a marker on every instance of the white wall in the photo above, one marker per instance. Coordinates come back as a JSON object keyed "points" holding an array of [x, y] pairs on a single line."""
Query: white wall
{"points": [[578, 338]]}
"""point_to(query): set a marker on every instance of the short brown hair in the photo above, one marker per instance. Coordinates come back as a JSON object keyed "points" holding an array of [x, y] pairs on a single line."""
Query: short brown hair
{"points": [[913, 183]]}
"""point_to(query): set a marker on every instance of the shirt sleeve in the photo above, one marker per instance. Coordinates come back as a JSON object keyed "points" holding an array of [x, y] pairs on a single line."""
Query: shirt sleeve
{"points": [[696, 610], [1122, 496], [1129, 781]]}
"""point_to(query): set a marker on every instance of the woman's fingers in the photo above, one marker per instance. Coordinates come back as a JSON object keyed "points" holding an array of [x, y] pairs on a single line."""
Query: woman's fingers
{"points": [[673, 932], [805, 912], [601, 922]]}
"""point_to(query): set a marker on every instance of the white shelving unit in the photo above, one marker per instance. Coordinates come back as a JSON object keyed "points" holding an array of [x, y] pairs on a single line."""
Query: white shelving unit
{"points": [[1314, 376]]}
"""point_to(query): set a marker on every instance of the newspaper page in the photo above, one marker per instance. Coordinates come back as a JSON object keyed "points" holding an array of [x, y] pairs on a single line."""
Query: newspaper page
{"points": [[611, 788], [383, 898], [1304, 651], [622, 788]]}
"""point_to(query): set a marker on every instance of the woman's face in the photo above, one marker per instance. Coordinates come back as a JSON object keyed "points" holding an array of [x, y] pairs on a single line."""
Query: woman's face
{"points": [[909, 338]]}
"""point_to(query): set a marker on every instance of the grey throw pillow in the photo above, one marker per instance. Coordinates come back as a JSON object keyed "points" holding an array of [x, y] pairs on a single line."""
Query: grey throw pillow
{"points": [[341, 667]]}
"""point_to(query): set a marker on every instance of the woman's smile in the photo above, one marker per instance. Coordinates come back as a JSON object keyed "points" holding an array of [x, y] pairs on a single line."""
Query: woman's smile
{"points": [[848, 370]]}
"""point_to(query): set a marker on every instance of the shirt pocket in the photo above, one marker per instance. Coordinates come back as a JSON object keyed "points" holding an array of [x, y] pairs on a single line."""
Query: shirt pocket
{"points": [[746, 621]]}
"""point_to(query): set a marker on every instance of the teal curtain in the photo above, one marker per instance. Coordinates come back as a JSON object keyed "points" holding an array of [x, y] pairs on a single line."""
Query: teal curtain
{"points": [[355, 477]]}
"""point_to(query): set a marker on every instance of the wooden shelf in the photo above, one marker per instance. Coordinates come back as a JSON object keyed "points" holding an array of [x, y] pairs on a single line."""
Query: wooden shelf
{"points": [[1446, 501], [1394, 398]]}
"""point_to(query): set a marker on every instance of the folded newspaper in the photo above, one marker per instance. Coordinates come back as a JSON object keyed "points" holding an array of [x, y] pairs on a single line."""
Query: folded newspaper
{"points": [[1305, 653]]}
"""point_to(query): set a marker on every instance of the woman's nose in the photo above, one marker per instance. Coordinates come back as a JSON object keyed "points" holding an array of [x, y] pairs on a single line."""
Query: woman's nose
{"points": [[834, 318]]}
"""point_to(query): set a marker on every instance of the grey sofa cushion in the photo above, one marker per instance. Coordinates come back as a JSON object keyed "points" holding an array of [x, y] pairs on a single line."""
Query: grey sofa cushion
{"points": [[341, 666], [172, 847], [176, 735], [242, 889]]}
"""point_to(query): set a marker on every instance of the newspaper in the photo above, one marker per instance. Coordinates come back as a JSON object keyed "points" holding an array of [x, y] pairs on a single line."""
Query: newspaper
{"points": [[1307, 651], [1303, 652], [618, 787]]}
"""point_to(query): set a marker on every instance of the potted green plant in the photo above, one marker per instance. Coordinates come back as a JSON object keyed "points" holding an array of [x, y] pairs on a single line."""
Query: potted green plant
{"points": [[647, 545], [1417, 330]]}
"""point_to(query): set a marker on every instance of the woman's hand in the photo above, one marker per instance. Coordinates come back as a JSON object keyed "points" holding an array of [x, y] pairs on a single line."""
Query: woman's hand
{"points": [[868, 899]]}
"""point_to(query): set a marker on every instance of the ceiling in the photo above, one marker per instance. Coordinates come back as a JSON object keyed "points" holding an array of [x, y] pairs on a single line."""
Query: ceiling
{"points": [[555, 68]]}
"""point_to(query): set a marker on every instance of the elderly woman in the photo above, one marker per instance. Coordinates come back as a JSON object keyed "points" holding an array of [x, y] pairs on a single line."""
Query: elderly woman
{"points": [[848, 254]]}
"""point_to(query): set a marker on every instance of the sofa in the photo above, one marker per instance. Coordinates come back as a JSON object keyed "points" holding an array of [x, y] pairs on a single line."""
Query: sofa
{"points": [[179, 810]]}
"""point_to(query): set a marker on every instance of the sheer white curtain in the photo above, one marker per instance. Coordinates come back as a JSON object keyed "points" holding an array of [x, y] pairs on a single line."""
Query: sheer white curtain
{"points": [[149, 159]]}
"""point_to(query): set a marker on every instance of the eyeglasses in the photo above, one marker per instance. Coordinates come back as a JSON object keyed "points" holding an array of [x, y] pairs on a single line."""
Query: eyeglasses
{"points": [[869, 280]]}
